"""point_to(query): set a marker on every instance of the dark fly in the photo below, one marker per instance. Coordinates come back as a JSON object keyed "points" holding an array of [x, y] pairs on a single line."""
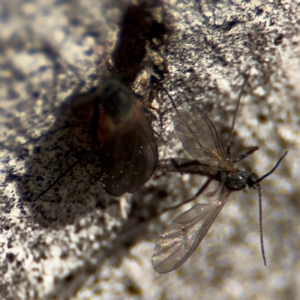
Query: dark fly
{"points": [[123, 138], [202, 142], [122, 127]]}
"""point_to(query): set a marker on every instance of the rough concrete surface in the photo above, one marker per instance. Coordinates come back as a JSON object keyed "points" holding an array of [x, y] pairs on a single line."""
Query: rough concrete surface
{"points": [[70, 240]]}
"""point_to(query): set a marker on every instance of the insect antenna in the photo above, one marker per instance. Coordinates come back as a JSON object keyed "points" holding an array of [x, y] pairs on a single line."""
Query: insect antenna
{"points": [[271, 171], [262, 247], [257, 183]]}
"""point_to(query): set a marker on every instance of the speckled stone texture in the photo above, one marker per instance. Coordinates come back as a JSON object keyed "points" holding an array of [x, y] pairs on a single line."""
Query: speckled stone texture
{"points": [[70, 240]]}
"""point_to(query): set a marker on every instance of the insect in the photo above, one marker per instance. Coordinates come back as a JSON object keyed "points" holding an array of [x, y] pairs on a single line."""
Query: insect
{"points": [[211, 159], [128, 150]]}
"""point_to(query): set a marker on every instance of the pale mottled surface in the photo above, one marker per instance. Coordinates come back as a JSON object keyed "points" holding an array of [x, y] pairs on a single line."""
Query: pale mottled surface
{"points": [[75, 238]]}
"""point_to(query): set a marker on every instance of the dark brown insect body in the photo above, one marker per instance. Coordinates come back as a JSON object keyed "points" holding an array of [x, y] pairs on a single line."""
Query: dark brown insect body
{"points": [[201, 140], [122, 127]]}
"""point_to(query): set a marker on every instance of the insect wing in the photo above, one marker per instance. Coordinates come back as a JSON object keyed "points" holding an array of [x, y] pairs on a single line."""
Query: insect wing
{"points": [[200, 137], [184, 234], [129, 159]]}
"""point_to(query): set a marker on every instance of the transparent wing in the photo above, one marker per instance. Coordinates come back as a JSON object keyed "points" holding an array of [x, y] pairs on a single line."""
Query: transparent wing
{"points": [[199, 137], [183, 235], [130, 158]]}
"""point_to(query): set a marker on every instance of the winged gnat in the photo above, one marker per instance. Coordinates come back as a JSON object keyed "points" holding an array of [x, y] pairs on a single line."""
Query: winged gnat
{"points": [[202, 142], [128, 151]]}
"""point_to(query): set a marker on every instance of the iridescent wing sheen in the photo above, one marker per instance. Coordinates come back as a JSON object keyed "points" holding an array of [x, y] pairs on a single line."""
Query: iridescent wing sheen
{"points": [[200, 138], [129, 159], [180, 239]]}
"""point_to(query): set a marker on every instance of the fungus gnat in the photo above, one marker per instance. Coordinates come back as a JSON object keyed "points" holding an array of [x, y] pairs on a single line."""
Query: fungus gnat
{"points": [[121, 127], [128, 151], [211, 159]]}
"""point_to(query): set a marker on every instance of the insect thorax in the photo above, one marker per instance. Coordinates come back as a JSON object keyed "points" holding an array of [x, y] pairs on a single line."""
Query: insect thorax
{"points": [[117, 101], [239, 179]]}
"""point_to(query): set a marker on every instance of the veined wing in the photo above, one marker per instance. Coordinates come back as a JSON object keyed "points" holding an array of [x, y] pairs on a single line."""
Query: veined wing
{"points": [[183, 235], [130, 158], [199, 137]]}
